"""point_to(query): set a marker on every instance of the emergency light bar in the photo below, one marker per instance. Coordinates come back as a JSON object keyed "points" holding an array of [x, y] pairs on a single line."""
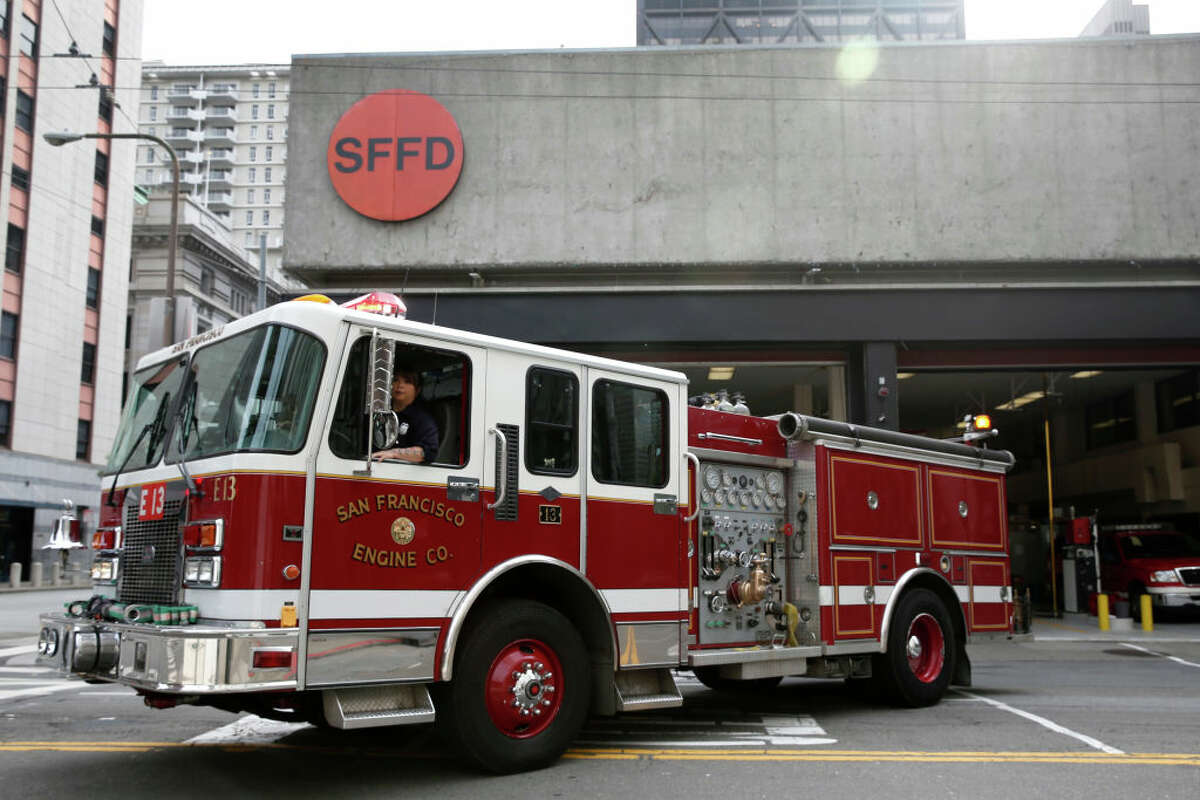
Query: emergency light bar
{"points": [[385, 303]]}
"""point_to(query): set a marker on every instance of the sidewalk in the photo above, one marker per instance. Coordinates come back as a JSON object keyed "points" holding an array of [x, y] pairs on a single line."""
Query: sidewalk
{"points": [[1086, 628]]}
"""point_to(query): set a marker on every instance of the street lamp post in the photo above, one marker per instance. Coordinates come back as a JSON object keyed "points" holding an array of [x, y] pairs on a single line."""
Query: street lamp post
{"points": [[59, 138]]}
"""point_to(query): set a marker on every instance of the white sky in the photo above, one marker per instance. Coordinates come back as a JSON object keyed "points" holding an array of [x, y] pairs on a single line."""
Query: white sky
{"points": [[271, 31]]}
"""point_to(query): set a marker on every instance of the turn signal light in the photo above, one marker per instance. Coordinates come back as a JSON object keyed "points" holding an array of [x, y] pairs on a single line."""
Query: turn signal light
{"points": [[107, 538], [982, 422], [204, 534]]}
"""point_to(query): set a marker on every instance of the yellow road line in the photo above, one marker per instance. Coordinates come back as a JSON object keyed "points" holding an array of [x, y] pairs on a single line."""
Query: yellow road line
{"points": [[681, 754]]}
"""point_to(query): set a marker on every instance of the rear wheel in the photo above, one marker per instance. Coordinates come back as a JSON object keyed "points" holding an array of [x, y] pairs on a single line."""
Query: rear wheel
{"points": [[921, 648], [711, 677], [520, 691]]}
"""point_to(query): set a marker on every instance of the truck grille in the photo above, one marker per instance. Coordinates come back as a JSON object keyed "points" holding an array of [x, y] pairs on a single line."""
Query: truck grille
{"points": [[150, 557], [1190, 576]]}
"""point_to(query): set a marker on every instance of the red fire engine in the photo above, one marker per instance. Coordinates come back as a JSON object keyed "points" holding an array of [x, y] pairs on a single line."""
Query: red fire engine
{"points": [[579, 535]]}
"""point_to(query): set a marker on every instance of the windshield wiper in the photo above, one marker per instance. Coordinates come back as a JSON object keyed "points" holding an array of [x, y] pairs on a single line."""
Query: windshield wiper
{"points": [[181, 424], [112, 489]]}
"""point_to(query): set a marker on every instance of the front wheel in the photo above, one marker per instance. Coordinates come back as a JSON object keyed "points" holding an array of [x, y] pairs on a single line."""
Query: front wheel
{"points": [[520, 691], [921, 650]]}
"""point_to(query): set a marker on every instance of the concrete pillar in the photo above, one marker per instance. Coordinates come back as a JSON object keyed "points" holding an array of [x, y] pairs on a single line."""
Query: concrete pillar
{"points": [[837, 394], [14, 574], [35, 574], [873, 399]]}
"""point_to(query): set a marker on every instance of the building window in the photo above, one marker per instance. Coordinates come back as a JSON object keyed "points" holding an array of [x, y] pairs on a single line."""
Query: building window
{"points": [[110, 40], [1178, 400], [266, 174], [254, 89], [24, 119], [270, 111], [5, 421], [87, 374], [29, 37], [106, 106], [97, 226], [249, 217], [93, 288], [8, 335], [266, 195], [254, 111], [253, 153], [83, 438], [153, 112], [249, 195], [150, 154], [253, 175], [266, 217], [207, 280], [14, 250], [149, 176], [153, 92], [101, 171], [271, 89], [20, 178], [1111, 421], [269, 154], [253, 131], [270, 131]]}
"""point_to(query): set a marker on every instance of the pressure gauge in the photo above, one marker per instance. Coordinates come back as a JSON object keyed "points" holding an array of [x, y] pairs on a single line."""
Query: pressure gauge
{"points": [[747, 496], [781, 504], [712, 477], [774, 483], [758, 482], [758, 499], [743, 481], [744, 558], [717, 604], [727, 478], [719, 496], [706, 497]]}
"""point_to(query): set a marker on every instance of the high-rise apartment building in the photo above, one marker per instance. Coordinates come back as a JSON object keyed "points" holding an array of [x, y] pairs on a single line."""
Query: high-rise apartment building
{"points": [[228, 125], [734, 22], [66, 265], [1119, 18]]}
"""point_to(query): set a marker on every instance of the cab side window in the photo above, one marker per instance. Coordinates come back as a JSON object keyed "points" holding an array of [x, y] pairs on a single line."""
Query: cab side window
{"points": [[551, 421], [629, 434], [445, 383]]}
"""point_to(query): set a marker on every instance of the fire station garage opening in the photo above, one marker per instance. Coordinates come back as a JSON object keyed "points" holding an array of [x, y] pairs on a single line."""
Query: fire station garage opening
{"points": [[445, 378], [769, 388]]}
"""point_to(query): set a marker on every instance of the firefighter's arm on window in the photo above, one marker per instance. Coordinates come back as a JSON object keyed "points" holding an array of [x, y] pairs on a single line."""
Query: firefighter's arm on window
{"points": [[413, 455]]}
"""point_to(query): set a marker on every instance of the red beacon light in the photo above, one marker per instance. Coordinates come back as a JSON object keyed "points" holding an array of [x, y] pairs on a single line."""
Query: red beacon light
{"points": [[385, 303]]}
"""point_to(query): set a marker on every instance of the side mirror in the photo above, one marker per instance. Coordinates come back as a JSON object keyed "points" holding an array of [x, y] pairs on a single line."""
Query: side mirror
{"points": [[379, 387]]}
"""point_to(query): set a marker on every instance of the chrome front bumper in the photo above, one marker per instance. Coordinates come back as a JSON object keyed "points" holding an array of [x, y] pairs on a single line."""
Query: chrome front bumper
{"points": [[192, 659], [1174, 596]]}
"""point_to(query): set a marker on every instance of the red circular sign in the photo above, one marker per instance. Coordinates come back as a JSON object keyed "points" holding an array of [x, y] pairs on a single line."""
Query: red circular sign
{"points": [[395, 155]]}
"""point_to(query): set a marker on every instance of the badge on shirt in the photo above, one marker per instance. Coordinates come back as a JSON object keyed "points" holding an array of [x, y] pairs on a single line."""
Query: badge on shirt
{"points": [[403, 428]]}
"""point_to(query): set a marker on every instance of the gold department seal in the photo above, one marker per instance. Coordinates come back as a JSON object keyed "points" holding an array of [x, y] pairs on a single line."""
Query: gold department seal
{"points": [[403, 530]]}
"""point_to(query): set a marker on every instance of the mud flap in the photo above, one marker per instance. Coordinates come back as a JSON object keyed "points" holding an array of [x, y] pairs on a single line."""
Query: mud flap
{"points": [[962, 669]]}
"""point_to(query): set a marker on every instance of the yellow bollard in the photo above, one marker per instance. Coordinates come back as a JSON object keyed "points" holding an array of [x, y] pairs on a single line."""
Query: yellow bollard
{"points": [[1147, 614], [1102, 610]]}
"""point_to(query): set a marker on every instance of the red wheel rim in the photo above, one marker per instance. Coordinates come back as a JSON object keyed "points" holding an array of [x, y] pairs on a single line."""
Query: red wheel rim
{"points": [[926, 648], [524, 688]]}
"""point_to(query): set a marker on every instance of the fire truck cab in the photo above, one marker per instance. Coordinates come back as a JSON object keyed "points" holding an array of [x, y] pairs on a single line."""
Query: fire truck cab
{"points": [[578, 534]]}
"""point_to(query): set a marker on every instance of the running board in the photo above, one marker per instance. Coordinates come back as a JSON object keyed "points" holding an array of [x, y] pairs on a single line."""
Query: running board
{"points": [[373, 706], [644, 689]]}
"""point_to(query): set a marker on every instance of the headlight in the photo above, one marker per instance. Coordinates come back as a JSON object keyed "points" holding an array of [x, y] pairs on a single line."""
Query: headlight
{"points": [[202, 572], [104, 570], [1164, 576], [48, 641]]}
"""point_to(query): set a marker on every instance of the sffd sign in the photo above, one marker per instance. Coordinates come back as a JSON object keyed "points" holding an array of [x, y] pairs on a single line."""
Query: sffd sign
{"points": [[395, 155]]}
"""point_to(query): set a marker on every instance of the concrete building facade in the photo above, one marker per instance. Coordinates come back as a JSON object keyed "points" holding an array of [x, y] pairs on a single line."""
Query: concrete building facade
{"points": [[1119, 18], [889, 234], [66, 257]]}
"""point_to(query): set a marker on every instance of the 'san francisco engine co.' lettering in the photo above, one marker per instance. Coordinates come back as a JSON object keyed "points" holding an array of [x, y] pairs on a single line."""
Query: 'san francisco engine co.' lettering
{"points": [[400, 502]]}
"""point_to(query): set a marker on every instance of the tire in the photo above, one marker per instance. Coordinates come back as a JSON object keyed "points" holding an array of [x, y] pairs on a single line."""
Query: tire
{"points": [[520, 691], [919, 661], [711, 677]]}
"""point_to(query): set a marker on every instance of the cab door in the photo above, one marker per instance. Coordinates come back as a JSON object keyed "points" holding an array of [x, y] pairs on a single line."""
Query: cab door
{"points": [[635, 550], [394, 543], [533, 418]]}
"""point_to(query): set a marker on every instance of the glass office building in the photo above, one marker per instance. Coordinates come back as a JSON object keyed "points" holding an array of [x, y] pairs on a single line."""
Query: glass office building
{"points": [[736, 22]]}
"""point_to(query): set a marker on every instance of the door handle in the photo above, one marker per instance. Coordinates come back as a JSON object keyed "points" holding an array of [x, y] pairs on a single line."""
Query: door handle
{"points": [[502, 476]]}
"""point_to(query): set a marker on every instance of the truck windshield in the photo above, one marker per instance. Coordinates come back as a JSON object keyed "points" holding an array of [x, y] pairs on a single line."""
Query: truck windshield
{"points": [[253, 391], [147, 417], [1161, 545]]}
